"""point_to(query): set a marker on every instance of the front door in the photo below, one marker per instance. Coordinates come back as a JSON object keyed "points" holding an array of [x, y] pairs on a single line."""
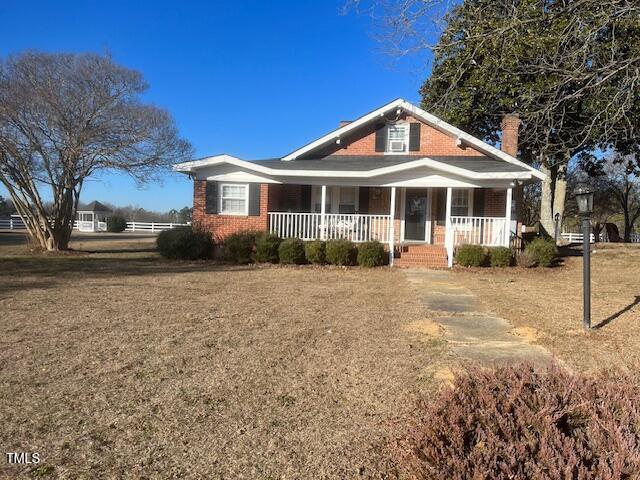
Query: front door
{"points": [[415, 214]]}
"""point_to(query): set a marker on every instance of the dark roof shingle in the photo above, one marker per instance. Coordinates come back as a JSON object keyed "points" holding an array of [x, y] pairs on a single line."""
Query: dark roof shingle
{"points": [[363, 163]]}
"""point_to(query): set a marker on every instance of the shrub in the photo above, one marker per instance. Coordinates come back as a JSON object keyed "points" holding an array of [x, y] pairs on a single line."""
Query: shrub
{"points": [[315, 252], [267, 246], [526, 259], [341, 252], [470, 256], [521, 422], [501, 257], [239, 247], [370, 254], [291, 251], [116, 224], [543, 251], [184, 243]]}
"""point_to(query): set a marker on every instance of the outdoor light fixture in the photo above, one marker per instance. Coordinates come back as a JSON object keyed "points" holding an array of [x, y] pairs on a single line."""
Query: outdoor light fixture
{"points": [[584, 198]]}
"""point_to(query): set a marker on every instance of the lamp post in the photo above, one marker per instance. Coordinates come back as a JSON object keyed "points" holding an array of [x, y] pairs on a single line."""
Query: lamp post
{"points": [[584, 198]]}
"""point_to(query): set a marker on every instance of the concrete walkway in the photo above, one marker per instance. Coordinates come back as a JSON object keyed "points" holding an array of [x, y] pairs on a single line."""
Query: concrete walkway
{"points": [[472, 334]]}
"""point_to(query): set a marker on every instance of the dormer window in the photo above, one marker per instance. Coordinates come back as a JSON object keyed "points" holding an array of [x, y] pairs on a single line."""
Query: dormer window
{"points": [[398, 138]]}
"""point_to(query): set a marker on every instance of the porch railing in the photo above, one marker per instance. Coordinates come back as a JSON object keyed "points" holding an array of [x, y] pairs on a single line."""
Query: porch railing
{"points": [[487, 231], [309, 226]]}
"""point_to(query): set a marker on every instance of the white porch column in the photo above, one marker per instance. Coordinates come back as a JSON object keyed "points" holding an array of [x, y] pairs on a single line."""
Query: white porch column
{"points": [[392, 230], [323, 200], [448, 236], [507, 217]]}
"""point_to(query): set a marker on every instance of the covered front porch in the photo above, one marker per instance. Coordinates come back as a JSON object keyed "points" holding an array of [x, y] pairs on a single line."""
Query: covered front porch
{"points": [[396, 216]]}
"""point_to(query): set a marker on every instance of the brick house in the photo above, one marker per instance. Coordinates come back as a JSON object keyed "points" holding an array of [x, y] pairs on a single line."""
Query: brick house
{"points": [[397, 174]]}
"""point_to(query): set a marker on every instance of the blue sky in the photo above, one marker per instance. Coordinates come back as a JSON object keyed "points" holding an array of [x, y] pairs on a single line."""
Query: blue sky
{"points": [[251, 78]]}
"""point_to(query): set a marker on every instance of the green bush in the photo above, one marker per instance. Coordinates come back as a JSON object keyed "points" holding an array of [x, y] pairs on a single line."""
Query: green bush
{"points": [[267, 246], [315, 252], [470, 256], [184, 243], [116, 224], [371, 254], [291, 251], [522, 422], [526, 260], [239, 247], [501, 257], [543, 250], [341, 252]]}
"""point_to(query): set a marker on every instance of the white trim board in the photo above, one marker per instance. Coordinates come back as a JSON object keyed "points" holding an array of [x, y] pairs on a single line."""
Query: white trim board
{"points": [[419, 162], [461, 136]]}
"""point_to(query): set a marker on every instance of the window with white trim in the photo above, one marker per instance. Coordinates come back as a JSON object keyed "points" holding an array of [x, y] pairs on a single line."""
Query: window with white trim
{"points": [[234, 199], [460, 202], [398, 138]]}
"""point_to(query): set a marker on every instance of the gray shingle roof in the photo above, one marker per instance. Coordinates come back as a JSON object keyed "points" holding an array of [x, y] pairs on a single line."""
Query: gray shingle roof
{"points": [[363, 163], [95, 206]]}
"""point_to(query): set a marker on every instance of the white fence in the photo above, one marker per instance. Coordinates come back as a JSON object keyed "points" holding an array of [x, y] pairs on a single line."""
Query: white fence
{"points": [[16, 223], [13, 223], [573, 237], [487, 231], [309, 226]]}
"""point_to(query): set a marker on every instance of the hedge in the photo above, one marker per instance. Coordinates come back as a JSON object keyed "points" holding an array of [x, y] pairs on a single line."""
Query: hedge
{"points": [[470, 256], [116, 224], [184, 243], [291, 251], [239, 247], [501, 257], [315, 251], [543, 250], [266, 250], [341, 252], [371, 254]]}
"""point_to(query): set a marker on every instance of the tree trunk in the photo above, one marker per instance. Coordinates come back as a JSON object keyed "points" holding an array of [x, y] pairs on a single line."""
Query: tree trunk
{"points": [[560, 195], [628, 226], [554, 193], [546, 201]]}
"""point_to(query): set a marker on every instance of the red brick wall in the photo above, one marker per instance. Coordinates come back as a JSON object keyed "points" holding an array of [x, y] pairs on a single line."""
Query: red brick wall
{"points": [[222, 225], [432, 142], [495, 202], [283, 198]]}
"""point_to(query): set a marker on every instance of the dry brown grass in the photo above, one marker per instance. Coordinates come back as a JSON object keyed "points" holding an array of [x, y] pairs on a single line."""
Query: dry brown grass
{"points": [[120, 365], [548, 302]]}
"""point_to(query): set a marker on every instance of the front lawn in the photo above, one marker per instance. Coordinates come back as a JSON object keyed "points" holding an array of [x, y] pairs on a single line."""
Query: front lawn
{"points": [[120, 365], [545, 304]]}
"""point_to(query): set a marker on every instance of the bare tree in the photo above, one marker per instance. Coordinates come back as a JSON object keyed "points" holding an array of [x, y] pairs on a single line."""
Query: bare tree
{"points": [[65, 117], [604, 204], [621, 176]]}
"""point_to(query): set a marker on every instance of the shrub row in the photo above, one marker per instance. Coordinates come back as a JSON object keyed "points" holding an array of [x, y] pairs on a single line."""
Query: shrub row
{"points": [[541, 251], [246, 247], [477, 256]]}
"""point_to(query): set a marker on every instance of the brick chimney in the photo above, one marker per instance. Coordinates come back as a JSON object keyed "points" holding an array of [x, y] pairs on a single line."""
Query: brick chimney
{"points": [[345, 122], [510, 125]]}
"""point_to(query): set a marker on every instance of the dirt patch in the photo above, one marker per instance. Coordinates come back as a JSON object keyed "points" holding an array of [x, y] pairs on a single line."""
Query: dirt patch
{"points": [[530, 334], [425, 327], [549, 301], [125, 366]]}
